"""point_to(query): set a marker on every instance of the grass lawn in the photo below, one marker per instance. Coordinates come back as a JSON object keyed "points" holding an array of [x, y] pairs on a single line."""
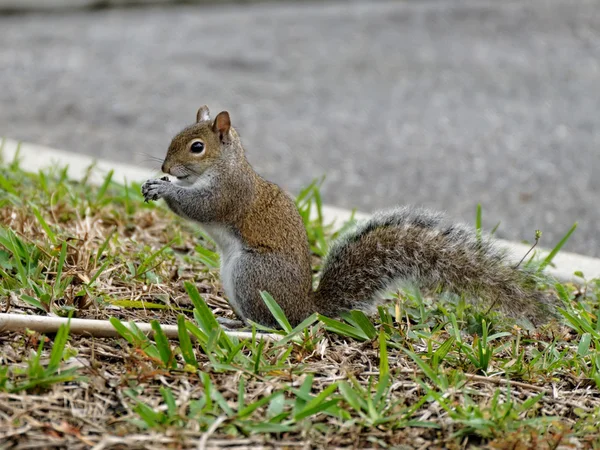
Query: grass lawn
{"points": [[430, 371]]}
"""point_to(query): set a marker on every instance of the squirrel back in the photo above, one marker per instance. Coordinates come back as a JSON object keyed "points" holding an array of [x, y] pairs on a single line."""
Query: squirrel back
{"points": [[264, 246]]}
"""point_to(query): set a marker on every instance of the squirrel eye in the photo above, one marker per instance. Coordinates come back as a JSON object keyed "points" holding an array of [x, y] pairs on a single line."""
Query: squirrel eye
{"points": [[197, 147]]}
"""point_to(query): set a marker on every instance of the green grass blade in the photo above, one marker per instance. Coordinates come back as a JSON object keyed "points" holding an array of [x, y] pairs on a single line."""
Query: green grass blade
{"points": [[98, 273], [276, 311], [495, 229], [12, 245], [200, 335], [104, 187], [303, 394], [169, 398], [351, 397], [122, 330], [207, 323], [148, 415], [384, 366], [34, 302], [319, 403], [531, 401], [583, 349], [442, 351], [58, 348], [162, 343], [322, 407], [478, 222], [59, 267], [343, 329], [45, 381], [102, 247], [363, 322], [185, 343], [382, 388], [216, 395], [258, 354], [209, 258], [140, 337], [6, 185], [298, 329], [427, 370], [145, 265], [249, 409], [141, 304], [43, 223], [556, 249]]}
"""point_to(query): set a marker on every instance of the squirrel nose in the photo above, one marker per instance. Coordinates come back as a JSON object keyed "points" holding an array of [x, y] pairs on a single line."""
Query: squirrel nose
{"points": [[165, 168]]}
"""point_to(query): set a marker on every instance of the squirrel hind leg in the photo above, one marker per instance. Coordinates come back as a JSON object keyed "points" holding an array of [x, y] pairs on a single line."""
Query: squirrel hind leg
{"points": [[284, 282]]}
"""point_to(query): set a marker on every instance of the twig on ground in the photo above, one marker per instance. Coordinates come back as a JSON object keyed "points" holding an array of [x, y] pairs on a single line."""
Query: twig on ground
{"points": [[97, 328]]}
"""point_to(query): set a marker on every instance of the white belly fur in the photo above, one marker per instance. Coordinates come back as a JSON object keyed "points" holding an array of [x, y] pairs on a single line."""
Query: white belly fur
{"points": [[230, 249]]}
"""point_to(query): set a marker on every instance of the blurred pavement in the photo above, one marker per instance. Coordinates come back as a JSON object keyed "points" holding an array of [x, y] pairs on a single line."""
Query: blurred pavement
{"points": [[439, 103]]}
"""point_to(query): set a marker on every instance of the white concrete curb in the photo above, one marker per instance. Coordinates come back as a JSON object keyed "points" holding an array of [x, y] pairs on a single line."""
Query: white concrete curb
{"points": [[58, 5], [35, 157], [66, 5]]}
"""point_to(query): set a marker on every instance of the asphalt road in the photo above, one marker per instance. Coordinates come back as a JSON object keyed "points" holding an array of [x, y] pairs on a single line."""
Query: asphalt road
{"points": [[439, 103]]}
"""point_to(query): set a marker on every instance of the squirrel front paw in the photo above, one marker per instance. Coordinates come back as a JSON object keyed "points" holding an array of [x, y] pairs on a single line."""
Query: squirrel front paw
{"points": [[155, 189]]}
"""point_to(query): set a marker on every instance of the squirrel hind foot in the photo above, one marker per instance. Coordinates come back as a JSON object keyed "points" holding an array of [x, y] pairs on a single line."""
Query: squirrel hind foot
{"points": [[232, 324]]}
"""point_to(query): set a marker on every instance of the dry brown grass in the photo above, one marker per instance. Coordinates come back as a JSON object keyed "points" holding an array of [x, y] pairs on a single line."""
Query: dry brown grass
{"points": [[456, 405]]}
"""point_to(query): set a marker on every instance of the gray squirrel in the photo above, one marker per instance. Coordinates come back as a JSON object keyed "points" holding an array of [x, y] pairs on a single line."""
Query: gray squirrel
{"points": [[263, 244]]}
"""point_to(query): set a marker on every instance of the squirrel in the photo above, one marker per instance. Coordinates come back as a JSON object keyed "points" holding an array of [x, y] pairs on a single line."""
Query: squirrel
{"points": [[264, 246]]}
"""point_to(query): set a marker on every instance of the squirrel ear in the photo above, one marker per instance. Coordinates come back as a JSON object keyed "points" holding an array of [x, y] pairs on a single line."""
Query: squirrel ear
{"points": [[203, 114], [222, 124]]}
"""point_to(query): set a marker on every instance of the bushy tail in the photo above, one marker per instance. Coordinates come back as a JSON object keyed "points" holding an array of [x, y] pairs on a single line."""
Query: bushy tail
{"points": [[421, 246]]}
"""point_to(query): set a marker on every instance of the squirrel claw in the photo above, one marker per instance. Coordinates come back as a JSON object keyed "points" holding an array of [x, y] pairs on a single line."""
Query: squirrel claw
{"points": [[154, 189]]}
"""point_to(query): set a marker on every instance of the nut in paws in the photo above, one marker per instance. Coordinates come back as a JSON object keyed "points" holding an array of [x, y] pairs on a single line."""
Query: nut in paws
{"points": [[155, 189]]}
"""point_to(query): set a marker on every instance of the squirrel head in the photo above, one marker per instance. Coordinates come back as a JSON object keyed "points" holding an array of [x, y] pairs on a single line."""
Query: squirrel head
{"points": [[201, 146]]}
